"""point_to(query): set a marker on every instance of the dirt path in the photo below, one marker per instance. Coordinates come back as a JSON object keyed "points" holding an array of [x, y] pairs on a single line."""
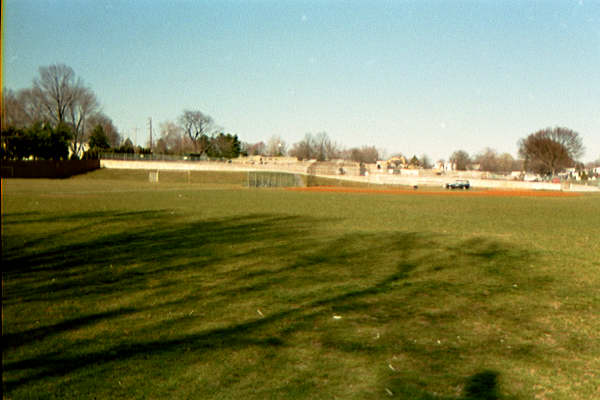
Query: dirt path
{"points": [[478, 193]]}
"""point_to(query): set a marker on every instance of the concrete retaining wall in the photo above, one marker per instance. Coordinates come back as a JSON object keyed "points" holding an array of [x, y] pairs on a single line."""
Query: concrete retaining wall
{"points": [[377, 178], [298, 168], [440, 181]]}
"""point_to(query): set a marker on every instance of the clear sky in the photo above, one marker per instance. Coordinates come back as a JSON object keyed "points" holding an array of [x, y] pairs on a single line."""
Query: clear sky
{"points": [[417, 77]]}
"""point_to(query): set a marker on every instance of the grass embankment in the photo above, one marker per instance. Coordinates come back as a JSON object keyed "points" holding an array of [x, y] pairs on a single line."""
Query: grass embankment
{"points": [[117, 288]]}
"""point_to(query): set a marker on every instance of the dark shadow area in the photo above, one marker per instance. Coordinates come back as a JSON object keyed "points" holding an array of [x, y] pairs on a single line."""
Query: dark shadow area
{"points": [[482, 386], [105, 216], [187, 272], [32, 335], [19, 215], [84, 223]]}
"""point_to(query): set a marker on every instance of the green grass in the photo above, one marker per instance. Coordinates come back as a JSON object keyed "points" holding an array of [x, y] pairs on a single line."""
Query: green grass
{"points": [[114, 287]]}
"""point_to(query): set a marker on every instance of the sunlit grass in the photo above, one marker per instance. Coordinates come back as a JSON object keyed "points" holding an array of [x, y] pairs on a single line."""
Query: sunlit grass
{"points": [[115, 287]]}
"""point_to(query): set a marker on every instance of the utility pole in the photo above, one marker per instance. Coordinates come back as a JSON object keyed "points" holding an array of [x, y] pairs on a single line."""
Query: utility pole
{"points": [[135, 131], [150, 126]]}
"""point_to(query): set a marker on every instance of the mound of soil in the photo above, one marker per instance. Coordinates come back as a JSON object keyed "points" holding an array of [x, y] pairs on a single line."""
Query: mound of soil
{"points": [[482, 193]]}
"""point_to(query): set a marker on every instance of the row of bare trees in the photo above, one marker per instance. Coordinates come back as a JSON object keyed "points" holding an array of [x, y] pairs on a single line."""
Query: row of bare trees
{"points": [[57, 98], [196, 133], [488, 160], [545, 152], [312, 147]]}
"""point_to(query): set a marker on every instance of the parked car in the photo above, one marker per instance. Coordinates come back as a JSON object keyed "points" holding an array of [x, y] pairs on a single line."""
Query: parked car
{"points": [[459, 184]]}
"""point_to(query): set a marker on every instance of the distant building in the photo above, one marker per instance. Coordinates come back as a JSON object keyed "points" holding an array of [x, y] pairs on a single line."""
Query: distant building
{"points": [[444, 166]]}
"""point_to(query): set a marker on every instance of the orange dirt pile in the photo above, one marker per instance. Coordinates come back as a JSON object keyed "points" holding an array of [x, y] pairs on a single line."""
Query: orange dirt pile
{"points": [[479, 193]]}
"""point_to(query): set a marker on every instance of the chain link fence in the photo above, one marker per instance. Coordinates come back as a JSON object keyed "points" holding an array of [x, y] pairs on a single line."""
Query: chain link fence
{"points": [[159, 157], [267, 179]]}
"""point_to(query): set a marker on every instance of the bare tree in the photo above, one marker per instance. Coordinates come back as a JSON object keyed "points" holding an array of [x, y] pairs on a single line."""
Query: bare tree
{"points": [[254, 149], [487, 160], [172, 137], [21, 109], [365, 154], [82, 106], [304, 149], [507, 163], [198, 127], [113, 135], [11, 110], [324, 147], [56, 89], [63, 99], [318, 146], [461, 159], [333, 149], [276, 147], [549, 150]]}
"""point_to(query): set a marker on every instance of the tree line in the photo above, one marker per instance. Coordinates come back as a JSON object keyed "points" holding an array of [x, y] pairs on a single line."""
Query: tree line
{"points": [[58, 115], [206, 138], [545, 152]]}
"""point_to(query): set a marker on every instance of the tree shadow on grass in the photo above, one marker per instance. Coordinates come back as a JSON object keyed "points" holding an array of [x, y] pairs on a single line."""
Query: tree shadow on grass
{"points": [[204, 284], [129, 258], [482, 386], [479, 386], [82, 223]]}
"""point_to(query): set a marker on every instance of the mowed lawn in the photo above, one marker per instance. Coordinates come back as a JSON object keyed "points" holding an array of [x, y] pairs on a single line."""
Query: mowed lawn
{"points": [[198, 288]]}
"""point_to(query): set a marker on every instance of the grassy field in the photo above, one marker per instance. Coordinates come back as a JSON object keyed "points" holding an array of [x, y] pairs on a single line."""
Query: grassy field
{"points": [[196, 287]]}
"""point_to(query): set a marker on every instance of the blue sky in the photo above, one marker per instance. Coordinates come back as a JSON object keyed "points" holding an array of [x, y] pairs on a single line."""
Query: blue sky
{"points": [[417, 77]]}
